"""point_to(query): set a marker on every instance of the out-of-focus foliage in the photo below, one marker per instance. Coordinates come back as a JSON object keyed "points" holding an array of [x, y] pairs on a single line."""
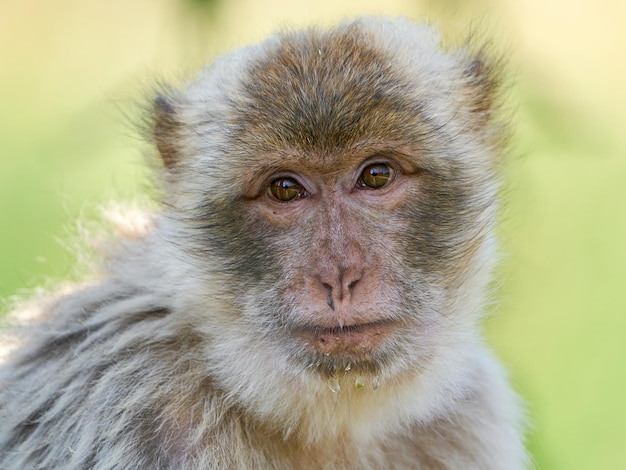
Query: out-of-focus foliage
{"points": [[72, 74]]}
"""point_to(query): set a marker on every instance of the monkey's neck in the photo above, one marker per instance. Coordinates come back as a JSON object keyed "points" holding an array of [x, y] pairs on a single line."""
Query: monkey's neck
{"points": [[357, 428]]}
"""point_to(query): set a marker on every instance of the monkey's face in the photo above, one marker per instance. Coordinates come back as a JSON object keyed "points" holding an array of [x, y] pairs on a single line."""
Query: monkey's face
{"points": [[348, 199], [333, 230]]}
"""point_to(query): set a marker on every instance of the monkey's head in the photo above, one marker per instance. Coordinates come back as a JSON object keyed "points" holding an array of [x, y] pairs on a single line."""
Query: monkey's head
{"points": [[333, 194]]}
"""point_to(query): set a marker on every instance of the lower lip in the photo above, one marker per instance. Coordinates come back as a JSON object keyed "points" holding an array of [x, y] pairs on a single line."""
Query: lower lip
{"points": [[356, 339]]}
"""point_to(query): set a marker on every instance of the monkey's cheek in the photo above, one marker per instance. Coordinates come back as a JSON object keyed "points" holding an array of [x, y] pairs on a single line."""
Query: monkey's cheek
{"points": [[358, 341]]}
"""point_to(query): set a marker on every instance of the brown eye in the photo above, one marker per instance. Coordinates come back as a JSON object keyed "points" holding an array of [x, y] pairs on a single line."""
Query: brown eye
{"points": [[285, 189], [376, 175]]}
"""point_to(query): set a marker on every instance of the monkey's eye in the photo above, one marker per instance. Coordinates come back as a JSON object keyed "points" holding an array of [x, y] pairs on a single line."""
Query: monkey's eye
{"points": [[376, 176], [285, 189]]}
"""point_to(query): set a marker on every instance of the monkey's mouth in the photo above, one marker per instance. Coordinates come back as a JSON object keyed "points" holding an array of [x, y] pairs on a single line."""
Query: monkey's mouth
{"points": [[354, 340]]}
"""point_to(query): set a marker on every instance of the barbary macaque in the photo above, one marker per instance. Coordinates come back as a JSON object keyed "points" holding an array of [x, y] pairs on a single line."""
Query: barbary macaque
{"points": [[310, 294]]}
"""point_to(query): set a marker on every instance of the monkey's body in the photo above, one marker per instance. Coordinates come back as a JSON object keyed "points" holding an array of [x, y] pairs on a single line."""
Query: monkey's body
{"points": [[97, 404], [310, 296]]}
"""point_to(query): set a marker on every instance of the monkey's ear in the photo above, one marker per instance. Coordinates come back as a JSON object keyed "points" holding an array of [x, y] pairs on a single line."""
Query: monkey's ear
{"points": [[482, 78], [165, 130]]}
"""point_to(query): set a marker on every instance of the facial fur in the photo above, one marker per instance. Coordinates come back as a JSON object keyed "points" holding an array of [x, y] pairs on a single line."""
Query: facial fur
{"points": [[319, 107]]}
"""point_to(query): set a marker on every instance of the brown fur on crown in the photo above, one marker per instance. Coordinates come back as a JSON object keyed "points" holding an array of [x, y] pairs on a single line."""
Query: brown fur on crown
{"points": [[337, 69]]}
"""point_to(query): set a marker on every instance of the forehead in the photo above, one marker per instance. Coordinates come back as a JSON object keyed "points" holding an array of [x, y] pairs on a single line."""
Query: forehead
{"points": [[320, 93]]}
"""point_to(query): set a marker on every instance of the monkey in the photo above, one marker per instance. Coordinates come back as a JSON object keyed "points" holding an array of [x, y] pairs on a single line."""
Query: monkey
{"points": [[309, 293]]}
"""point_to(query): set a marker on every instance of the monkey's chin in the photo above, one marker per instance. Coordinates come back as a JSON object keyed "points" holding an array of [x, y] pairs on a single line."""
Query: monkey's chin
{"points": [[356, 347]]}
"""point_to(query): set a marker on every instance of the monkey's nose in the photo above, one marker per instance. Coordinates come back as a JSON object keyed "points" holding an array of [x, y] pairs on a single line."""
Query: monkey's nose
{"points": [[340, 285]]}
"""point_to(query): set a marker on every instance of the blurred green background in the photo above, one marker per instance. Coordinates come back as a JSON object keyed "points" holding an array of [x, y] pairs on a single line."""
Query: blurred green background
{"points": [[72, 73]]}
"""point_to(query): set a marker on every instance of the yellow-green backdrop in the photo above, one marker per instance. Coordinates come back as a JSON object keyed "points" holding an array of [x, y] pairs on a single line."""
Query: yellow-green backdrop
{"points": [[72, 73]]}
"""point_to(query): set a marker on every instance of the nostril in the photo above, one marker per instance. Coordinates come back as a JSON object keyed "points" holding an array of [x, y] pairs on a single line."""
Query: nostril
{"points": [[354, 279], [329, 290]]}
